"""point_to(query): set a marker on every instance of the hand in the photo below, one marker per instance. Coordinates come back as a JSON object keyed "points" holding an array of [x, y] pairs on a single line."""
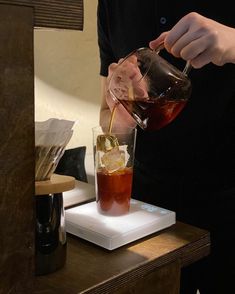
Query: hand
{"points": [[122, 118], [199, 40], [125, 81], [127, 84]]}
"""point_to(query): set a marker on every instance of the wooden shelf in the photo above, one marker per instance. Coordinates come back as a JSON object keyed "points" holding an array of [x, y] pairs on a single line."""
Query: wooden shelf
{"points": [[59, 14], [57, 184], [92, 269]]}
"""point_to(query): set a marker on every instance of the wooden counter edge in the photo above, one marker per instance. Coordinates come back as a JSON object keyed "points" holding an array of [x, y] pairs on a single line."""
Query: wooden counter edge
{"points": [[197, 247], [186, 255]]}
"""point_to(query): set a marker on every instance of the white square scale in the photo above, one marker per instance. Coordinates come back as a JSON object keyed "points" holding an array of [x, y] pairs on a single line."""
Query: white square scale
{"points": [[112, 232]]}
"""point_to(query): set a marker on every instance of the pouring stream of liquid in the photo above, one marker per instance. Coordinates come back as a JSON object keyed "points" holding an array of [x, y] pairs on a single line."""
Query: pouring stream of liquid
{"points": [[112, 118], [107, 141]]}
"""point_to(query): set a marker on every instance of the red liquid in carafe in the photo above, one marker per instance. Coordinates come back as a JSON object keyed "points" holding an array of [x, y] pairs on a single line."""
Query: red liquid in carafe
{"points": [[114, 191], [165, 101], [154, 114]]}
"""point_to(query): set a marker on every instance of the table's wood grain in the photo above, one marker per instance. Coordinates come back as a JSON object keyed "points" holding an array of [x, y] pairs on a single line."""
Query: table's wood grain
{"points": [[92, 269]]}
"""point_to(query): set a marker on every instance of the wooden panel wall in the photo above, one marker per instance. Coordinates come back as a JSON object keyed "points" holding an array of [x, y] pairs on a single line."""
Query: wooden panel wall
{"points": [[61, 14], [17, 224], [18, 18]]}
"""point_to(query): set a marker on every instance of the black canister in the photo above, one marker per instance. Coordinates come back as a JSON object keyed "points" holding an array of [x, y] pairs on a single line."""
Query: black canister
{"points": [[50, 242]]}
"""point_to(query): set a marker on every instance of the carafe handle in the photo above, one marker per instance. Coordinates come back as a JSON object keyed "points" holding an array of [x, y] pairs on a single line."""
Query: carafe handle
{"points": [[188, 65]]}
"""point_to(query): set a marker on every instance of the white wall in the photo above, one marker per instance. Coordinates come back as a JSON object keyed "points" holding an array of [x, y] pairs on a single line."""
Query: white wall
{"points": [[67, 83]]}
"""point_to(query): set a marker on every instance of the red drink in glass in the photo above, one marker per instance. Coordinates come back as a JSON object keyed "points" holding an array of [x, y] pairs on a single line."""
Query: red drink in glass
{"points": [[114, 191]]}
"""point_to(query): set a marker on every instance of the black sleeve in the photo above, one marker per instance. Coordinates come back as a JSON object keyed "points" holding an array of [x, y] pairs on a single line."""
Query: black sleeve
{"points": [[105, 48]]}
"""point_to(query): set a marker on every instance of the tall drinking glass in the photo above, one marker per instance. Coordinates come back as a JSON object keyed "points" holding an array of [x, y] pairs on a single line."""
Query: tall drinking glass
{"points": [[113, 159]]}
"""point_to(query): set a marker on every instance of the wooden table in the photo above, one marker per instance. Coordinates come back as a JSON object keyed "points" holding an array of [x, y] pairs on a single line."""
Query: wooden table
{"points": [[149, 265]]}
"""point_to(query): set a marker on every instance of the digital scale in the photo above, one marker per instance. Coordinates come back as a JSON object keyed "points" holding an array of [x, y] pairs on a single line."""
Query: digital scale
{"points": [[112, 232]]}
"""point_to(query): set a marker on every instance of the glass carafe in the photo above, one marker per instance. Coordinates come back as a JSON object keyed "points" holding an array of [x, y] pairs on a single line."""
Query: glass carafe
{"points": [[152, 90]]}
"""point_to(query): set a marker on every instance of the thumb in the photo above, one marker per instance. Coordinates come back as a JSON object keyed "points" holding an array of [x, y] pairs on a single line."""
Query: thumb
{"points": [[155, 43]]}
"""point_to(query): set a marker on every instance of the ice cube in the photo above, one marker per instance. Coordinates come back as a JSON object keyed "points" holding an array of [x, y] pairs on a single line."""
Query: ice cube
{"points": [[106, 142], [114, 160]]}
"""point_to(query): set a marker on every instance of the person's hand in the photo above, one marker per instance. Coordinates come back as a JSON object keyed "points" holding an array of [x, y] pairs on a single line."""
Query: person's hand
{"points": [[125, 80], [199, 40], [127, 84]]}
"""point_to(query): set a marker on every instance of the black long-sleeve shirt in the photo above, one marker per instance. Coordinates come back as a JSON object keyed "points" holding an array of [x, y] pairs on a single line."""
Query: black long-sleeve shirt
{"points": [[203, 135], [189, 165]]}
